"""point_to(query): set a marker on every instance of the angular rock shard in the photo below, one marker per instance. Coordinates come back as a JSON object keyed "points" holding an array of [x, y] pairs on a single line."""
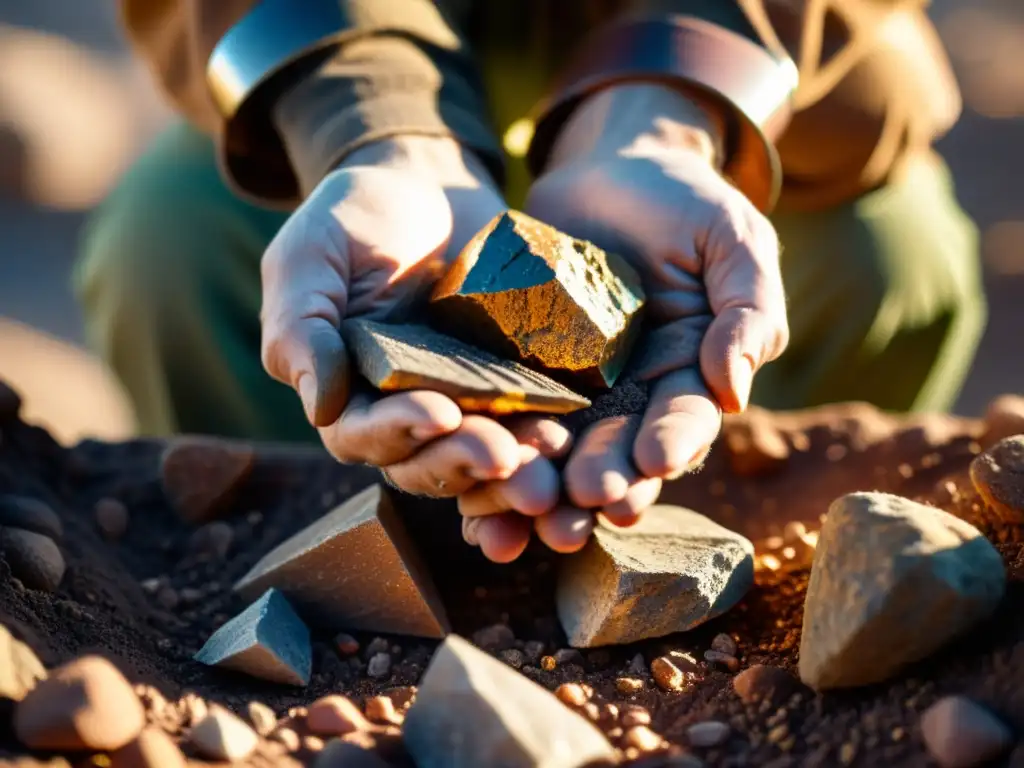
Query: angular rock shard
{"points": [[892, 582], [354, 568], [471, 710], [200, 474], [403, 357], [673, 570], [266, 640], [526, 291]]}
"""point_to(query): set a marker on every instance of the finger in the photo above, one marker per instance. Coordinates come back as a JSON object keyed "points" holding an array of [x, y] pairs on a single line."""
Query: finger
{"points": [[387, 430], [502, 538], [600, 470], [681, 422], [738, 343], [304, 299], [642, 493], [548, 436], [565, 529], [531, 491], [744, 287], [478, 451]]}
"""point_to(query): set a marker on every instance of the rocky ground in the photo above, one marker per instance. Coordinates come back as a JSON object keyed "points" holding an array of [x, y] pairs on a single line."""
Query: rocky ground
{"points": [[132, 581]]}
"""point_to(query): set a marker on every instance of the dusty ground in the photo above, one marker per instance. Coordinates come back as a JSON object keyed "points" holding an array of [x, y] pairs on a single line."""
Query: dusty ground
{"points": [[102, 607]]}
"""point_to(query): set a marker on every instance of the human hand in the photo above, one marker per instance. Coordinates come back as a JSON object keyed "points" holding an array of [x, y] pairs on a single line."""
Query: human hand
{"points": [[369, 241], [633, 172]]}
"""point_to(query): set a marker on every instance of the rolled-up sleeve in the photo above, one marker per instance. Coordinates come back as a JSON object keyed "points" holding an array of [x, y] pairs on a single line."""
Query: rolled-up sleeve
{"points": [[290, 87]]}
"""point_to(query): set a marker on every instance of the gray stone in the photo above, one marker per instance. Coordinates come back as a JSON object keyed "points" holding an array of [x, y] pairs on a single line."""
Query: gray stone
{"points": [[354, 568], [34, 559], [472, 710], [20, 668], [30, 515], [400, 357], [266, 640], [112, 518], [891, 583], [222, 735], [960, 734], [673, 570]]}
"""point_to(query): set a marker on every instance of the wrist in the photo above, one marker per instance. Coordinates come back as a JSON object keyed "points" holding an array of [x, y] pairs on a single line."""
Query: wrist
{"points": [[636, 118], [440, 158]]}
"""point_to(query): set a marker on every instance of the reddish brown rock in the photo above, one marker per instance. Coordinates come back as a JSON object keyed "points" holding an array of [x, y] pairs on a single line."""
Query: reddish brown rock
{"points": [[201, 474], [523, 290], [86, 704], [764, 682], [961, 734], [222, 735], [998, 476], [354, 568], [335, 716], [153, 748], [402, 357], [111, 518]]}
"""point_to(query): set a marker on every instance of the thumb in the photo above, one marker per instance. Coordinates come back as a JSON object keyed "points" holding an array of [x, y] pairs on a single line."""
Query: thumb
{"points": [[304, 299], [738, 342]]}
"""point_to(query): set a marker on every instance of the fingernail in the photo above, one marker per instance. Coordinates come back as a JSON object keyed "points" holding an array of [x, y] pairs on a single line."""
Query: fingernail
{"points": [[743, 380], [307, 393]]}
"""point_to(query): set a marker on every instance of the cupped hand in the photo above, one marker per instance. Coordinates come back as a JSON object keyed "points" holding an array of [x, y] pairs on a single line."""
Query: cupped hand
{"points": [[709, 263], [369, 242]]}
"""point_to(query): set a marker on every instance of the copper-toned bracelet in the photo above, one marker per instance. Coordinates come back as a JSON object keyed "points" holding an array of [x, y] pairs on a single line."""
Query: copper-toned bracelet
{"points": [[750, 85]]}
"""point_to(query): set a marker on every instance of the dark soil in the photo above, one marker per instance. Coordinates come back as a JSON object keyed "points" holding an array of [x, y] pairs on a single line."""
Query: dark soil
{"points": [[102, 607]]}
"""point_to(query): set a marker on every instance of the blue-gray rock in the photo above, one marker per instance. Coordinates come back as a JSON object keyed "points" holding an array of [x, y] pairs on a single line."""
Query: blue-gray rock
{"points": [[673, 570], [30, 514], [34, 558], [472, 710], [891, 583], [267, 640]]}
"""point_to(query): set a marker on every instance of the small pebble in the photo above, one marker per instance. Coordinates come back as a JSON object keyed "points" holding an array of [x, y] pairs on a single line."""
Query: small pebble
{"points": [[380, 709], [287, 737], [629, 685], [30, 514], [34, 558], [313, 743], [111, 518], [571, 694], [335, 716], [634, 716], [212, 540], [190, 595], [497, 637], [296, 713], [346, 645], [167, 598], [961, 734], [641, 738], [592, 711], [84, 705], [667, 675], [761, 681], [637, 666], [262, 717], [707, 734], [194, 707], [151, 586], [568, 656], [717, 657], [222, 735], [724, 644], [152, 748], [379, 666], [513, 657], [533, 650]]}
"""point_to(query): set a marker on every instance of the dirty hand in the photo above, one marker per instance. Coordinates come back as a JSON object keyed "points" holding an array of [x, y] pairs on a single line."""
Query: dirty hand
{"points": [[369, 241], [633, 172]]}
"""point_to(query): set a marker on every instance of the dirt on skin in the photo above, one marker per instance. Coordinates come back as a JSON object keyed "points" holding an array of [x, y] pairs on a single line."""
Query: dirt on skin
{"points": [[106, 604]]}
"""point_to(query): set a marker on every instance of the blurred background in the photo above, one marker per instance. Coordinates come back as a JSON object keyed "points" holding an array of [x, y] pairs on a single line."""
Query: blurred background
{"points": [[76, 109]]}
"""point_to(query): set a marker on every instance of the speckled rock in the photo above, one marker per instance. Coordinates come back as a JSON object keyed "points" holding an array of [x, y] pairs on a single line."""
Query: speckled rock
{"points": [[20, 668], [30, 515], [86, 704], [34, 559], [960, 734], [892, 582], [673, 570], [998, 476], [472, 710], [354, 568], [266, 640], [201, 474]]}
